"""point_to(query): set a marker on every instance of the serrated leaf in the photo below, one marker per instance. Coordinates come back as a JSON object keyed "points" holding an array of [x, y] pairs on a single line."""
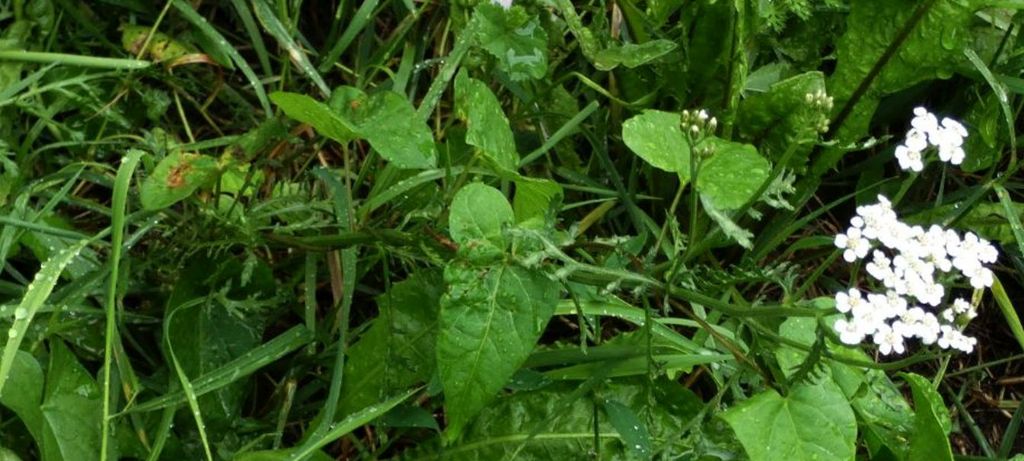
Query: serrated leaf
{"points": [[632, 55], [516, 39], [726, 224], [387, 120], [656, 137], [732, 175], [491, 319], [479, 213], [176, 177], [929, 441], [488, 129], [811, 422]]}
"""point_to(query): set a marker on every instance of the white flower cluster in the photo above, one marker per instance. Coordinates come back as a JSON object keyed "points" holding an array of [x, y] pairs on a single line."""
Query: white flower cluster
{"points": [[926, 131], [908, 261], [506, 4]]}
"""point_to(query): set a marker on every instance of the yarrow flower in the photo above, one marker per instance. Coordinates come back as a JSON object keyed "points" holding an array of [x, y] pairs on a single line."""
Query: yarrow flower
{"points": [[926, 131], [912, 263]]}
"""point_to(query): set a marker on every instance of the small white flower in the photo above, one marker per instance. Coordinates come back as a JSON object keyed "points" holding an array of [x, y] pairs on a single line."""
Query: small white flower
{"points": [[981, 277], [855, 244], [909, 159], [846, 301], [849, 332], [506, 4], [888, 341], [924, 121]]}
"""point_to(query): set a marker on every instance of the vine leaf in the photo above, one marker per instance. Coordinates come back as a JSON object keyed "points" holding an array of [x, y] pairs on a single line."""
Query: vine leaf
{"points": [[812, 422]]}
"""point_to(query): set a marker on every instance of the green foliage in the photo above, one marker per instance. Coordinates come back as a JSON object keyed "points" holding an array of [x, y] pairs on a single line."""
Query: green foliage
{"points": [[813, 421], [455, 230]]}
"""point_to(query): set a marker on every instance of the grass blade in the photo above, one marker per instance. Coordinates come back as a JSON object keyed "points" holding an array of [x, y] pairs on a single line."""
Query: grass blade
{"points": [[35, 296], [121, 184], [358, 23], [239, 368], [73, 60], [349, 424], [200, 23], [273, 26]]}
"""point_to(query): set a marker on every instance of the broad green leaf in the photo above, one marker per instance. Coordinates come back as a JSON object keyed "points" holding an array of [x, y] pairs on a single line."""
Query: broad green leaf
{"points": [[398, 349], [782, 116], [632, 55], [633, 431], [72, 405], [732, 175], [479, 213], [491, 318], [488, 129], [208, 336], [536, 201], [23, 396], [931, 50], [317, 114], [175, 178], [8, 455], [387, 120], [812, 422], [884, 414], [656, 137], [930, 439], [516, 39]]}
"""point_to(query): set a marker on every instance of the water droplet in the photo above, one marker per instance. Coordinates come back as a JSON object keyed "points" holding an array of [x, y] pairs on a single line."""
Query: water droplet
{"points": [[12, 333], [20, 313]]}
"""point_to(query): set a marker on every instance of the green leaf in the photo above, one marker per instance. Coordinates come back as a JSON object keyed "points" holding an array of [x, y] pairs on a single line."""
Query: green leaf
{"points": [[732, 175], [398, 349], [656, 137], [516, 39], [72, 405], [884, 414], [491, 319], [632, 55], [23, 396], [478, 215], [316, 114], [932, 50], [536, 201], [812, 422], [782, 116], [278, 455], [488, 129], [633, 431], [930, 441], [175, 178], [387, 120]]}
